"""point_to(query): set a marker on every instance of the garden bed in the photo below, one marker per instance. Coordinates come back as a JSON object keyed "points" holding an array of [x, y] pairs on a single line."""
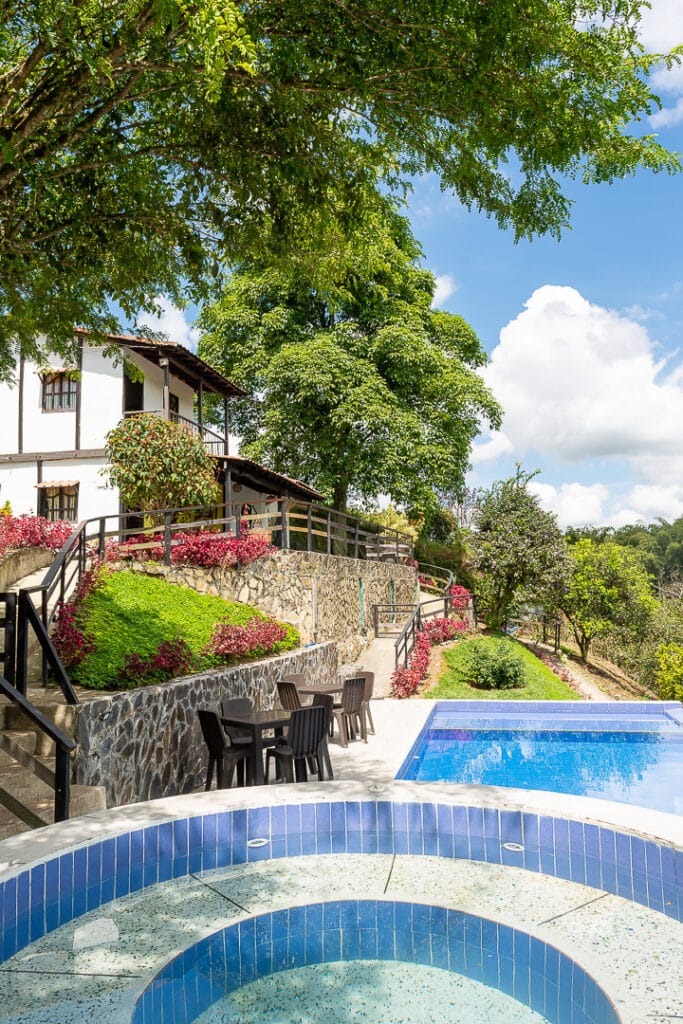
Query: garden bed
{"points": [[125, 629]]}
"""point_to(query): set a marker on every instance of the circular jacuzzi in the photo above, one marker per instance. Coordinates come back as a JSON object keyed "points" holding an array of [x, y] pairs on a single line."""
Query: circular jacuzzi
{"points": [[332, 903]]}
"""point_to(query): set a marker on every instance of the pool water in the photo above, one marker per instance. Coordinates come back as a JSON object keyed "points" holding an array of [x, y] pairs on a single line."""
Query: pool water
{"points": [[634, 758], [368, 992]]}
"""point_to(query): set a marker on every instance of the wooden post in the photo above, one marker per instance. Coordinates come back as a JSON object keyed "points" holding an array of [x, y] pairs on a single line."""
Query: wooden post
{"points": [[329, 532], [309, 528], [284, 542], [166, 401], [355, 541], [167, 538], [200, 406], [226, 421]]}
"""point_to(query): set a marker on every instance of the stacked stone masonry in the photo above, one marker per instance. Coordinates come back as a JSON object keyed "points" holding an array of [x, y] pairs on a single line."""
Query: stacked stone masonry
{"points": [[327, 597], [147, 743]]}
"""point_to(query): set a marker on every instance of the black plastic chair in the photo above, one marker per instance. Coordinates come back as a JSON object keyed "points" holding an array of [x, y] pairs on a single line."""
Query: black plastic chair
{"points": [[351, 712], [325, 700], [236, 706], [306, 736], [288, 695], [223, 755], [369, 678]]}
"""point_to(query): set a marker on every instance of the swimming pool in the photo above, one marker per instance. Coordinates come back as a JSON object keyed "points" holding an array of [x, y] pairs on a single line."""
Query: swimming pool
{"points": [[631, 752]]}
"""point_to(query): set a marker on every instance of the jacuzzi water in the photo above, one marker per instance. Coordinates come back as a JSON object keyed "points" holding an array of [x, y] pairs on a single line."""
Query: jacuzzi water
{"points": [[634, 758], [369, 991]]}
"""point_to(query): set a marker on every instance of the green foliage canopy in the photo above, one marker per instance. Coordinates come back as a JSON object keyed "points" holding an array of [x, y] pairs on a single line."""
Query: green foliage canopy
{"points": [[609, 591], [363, 388], [141, 141], [159, 464], [519, 551]]}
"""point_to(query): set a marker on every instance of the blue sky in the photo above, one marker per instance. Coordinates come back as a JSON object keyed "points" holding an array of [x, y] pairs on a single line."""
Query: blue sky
{"points": [[584, 335]]}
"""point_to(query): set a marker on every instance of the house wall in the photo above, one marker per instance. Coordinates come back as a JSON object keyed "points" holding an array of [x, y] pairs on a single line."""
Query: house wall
{"points": [[101, 408]]}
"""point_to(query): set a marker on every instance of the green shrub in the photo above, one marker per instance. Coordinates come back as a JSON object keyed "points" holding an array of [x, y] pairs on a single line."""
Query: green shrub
{"points": [[495, 666], [669, 675]]}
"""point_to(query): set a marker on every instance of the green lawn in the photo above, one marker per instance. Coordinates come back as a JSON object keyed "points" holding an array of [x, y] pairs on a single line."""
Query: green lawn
{"points": [[541, 683], [134, 613]]}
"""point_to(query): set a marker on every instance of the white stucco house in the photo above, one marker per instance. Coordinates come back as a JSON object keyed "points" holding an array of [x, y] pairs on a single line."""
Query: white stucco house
{"points": [[53, 425]]}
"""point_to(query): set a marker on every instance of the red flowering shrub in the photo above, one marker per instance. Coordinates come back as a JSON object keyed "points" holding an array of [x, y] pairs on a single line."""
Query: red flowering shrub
{"points": [[172, 658], [405, 680], [256, 638], [204, 549], [460, 597], [71, 641], [32, 532]]}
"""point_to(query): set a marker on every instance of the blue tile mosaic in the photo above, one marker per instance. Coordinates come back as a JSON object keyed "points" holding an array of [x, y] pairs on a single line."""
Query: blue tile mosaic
{"points": [[37, 900], [539, 975]]}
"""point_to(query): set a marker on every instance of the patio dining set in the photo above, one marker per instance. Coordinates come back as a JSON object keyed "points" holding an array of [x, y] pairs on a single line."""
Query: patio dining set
{"points": [[243, 741]]}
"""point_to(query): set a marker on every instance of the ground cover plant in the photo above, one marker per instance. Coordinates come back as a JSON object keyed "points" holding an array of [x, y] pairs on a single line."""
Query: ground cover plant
{"points": [[139, 629], [539, 683]]}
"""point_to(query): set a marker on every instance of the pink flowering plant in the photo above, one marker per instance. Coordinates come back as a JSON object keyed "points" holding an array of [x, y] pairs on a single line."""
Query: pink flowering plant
{"points": [[460, 597], [171, 658], [256, 638], [406, 679], [32, 532], [72, 641], [201, 548]]}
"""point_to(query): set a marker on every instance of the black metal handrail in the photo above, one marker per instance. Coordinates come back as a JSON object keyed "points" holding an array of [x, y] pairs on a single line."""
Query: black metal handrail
{"points": [[63, 746], [434, 577], [405, 640]]}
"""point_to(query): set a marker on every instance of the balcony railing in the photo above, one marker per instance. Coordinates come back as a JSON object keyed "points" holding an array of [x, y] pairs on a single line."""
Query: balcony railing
{"points": [[215, 443]]}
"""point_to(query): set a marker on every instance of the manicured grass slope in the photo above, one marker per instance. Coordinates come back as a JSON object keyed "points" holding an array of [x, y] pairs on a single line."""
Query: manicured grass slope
{"points": [[540, 684], [133, 613]]}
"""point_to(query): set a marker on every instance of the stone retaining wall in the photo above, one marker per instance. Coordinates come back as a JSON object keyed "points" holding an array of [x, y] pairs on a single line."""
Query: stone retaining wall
{"points": [[147, 743], [22, 562], [327, 597]]}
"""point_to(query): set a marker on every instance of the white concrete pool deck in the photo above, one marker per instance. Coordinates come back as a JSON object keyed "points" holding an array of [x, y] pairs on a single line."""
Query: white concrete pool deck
{"points": [[634, 953]]}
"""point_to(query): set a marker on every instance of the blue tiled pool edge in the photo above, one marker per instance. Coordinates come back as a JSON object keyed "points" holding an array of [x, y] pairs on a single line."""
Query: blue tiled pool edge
{"points": [[37, 899], [520, 965]]}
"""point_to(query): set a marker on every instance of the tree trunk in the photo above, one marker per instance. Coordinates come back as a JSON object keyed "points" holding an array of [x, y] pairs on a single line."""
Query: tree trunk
{"points": [[340, 493]]}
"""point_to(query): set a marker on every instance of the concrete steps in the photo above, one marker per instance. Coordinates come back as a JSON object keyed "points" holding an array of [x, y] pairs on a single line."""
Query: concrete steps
{"points": [[27, 798]]}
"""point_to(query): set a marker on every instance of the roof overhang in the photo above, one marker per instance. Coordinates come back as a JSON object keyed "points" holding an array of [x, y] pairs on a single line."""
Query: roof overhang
{"points": [[266, 481], [183, 364]]}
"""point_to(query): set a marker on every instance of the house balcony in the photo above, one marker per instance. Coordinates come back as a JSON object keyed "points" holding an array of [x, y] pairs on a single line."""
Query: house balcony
{"points": [[215, 443]]}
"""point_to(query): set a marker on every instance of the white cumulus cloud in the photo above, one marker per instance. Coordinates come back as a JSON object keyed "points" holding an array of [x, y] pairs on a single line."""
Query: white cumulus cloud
{"points": [[445, 287], [574, 504], [587, 387], [171, 321]]}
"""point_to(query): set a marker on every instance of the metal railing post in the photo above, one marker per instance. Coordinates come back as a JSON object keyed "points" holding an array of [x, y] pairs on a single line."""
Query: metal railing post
{"points": [[10, 637], [101, 541], [22, 644], [167, 538], [62, 783], [44, 617]]}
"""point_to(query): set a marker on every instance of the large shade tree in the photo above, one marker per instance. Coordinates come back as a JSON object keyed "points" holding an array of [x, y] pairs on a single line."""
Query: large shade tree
{"points": [[364, 389], [142, 141]]}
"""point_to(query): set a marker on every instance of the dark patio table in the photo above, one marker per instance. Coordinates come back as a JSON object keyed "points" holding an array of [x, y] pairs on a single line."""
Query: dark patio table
{"points": [[256, 723], [314, 688]]}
